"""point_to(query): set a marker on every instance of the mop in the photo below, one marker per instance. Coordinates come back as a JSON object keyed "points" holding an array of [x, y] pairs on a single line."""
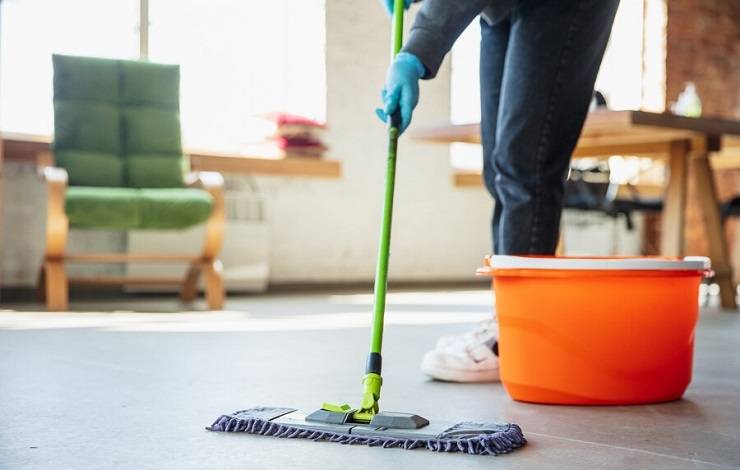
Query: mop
{"points": [[366, 424]]}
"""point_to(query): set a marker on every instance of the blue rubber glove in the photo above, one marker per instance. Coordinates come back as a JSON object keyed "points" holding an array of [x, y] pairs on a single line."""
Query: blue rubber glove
{"points": [[388, 4], [401, 91]]}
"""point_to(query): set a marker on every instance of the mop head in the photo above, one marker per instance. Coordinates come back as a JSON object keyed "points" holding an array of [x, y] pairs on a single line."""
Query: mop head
{"points": [[467, 437]]}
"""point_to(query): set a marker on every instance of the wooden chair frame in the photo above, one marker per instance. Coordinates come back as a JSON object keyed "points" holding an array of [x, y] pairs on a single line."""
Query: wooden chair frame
{"points": [[54, 283]]}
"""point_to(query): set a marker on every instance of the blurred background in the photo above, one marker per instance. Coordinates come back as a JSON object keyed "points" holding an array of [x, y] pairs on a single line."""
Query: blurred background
{"points": [[297, 218]]}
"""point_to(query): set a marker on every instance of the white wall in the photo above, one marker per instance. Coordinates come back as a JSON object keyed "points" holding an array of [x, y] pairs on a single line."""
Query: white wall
{"points": [[324, 230], [327, 230]]}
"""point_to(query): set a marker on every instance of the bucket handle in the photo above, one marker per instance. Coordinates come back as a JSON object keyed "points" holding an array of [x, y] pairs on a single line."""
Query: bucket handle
{"points": [[486, 270]]}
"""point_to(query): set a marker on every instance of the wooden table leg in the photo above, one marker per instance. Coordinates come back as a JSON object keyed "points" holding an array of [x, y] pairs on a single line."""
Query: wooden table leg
{"points": [[674, 206], [707, 193]]}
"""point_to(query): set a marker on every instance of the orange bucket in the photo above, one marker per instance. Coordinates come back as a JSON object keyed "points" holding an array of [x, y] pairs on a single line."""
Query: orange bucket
{"points": [[596, 331]]}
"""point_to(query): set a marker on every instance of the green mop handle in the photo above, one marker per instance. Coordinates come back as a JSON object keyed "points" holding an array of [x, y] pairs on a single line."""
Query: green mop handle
{"points": [[381, 274]]}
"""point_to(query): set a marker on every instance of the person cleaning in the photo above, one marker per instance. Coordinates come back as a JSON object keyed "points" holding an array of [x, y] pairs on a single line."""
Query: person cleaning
{"points": [[538, 65]]}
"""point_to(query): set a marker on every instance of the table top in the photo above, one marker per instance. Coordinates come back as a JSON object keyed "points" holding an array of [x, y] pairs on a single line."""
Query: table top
{"points": [[604, 129], [23, 147]]}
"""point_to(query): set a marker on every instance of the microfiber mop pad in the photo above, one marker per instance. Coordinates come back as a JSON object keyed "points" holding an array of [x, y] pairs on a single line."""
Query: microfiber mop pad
{"points": [[466, 437]]}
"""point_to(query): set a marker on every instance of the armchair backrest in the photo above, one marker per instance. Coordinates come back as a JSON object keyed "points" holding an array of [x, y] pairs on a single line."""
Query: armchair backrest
{"points": [[117, 122]]}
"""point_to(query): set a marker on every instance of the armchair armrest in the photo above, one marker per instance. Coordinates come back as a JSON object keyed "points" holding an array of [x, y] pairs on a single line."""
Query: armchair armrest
{"points": [[215, 225], [54, 175], [205, 179], [57, 223]]}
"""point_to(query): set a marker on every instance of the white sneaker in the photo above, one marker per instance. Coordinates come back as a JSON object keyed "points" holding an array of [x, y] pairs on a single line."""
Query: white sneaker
{"points": [[468, 358], [485, 330]]}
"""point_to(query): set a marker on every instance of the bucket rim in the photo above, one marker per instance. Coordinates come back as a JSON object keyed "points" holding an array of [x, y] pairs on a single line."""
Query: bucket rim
{"points": [[688, 263]]}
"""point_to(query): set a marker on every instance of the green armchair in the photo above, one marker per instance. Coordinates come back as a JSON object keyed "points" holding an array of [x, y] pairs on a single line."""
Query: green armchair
{"points": [[119, 165]]}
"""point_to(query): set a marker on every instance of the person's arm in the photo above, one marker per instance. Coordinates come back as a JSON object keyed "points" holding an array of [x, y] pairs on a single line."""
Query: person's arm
{"points": [[436, 28], [438, 24]]}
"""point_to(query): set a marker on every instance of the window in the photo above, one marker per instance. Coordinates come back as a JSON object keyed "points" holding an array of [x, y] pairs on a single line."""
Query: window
{"points": [[465, 95], [31, 30], [238, 58], [620, 77]]}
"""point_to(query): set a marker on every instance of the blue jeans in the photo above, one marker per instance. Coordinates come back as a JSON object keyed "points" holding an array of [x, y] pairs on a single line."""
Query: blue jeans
{"points": [[537, 72]]}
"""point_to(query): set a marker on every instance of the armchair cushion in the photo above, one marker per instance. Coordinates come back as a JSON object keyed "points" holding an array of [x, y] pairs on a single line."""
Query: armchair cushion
{"points": [[86, 125], [173, 208], [130, 208], [124, 109], [92, 168], [117, 132], [156, 171], [151, 130], [149, 84], [86, 79], [91, 207]]}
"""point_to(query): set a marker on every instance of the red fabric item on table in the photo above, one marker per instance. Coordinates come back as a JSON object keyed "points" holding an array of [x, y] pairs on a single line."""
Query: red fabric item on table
{"points": [[298, 142], [283, 119]]}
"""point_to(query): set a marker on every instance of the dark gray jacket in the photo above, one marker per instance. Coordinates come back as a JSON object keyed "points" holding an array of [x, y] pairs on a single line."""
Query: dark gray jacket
{"points": [[439, 23]]}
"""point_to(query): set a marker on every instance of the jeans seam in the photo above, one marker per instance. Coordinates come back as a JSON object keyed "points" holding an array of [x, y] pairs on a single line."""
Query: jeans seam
{"points": [[545, 133]]}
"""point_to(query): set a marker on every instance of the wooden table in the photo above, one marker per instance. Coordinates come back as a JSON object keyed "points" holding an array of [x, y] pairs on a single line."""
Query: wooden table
{"points": [[686, 143]]}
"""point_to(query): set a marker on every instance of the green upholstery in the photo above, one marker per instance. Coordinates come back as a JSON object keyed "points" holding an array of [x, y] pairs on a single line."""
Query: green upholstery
{"points": [[148, 84], [92, 168], [87, 126], [133, 208], [87, 120], [90, 207], [117, 129], [173, 208], [86, 79], [151, 130], [156, 171]]}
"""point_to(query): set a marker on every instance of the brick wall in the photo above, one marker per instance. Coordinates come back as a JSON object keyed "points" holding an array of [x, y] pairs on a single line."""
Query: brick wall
{"points": [[703, 46]]}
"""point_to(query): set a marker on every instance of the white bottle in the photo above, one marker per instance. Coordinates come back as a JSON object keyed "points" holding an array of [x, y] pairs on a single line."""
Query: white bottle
{"points": [[689, 103]]}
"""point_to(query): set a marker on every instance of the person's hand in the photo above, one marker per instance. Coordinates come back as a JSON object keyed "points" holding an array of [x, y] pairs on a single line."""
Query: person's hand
{"points": [[401, 91], [388, 4]]}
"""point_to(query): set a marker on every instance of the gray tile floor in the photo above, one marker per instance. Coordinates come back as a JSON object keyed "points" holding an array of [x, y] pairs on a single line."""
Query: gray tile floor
{"points": [[134, 390]]}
